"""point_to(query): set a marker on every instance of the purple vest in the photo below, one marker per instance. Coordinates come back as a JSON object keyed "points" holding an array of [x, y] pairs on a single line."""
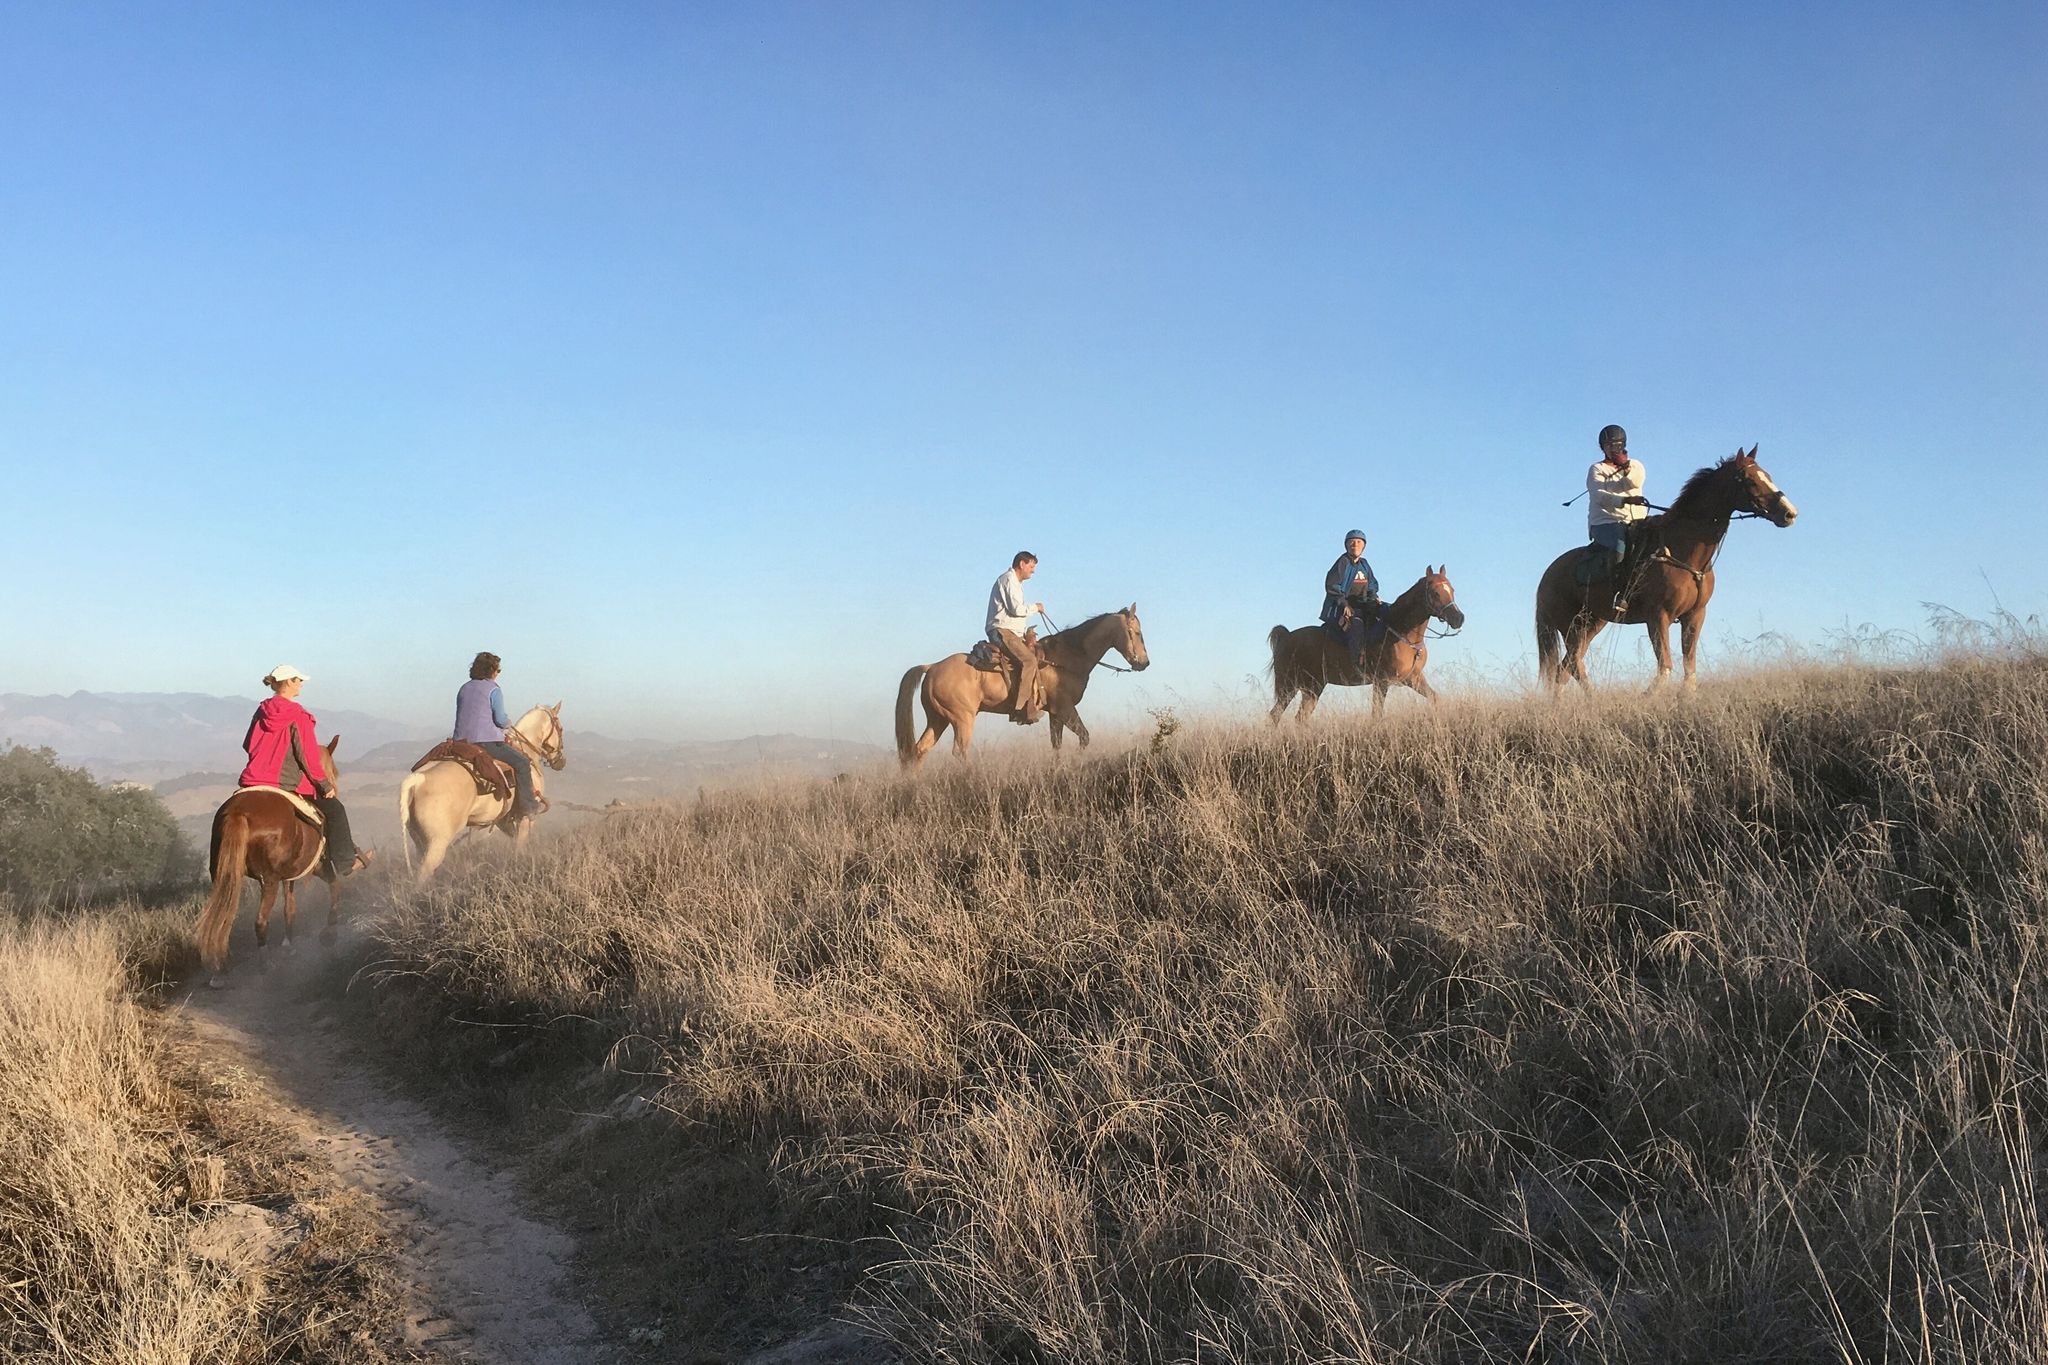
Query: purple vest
{"points": [[473, 712]]}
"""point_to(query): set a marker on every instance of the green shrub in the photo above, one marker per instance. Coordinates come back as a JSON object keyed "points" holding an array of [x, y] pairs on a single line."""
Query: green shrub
{"points": [[66, 838]]}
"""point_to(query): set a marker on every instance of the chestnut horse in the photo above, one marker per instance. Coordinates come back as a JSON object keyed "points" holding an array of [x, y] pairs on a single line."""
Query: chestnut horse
{"points": [[1672, 579], [259, 834], [954, 691], [440, 801], [1306, 661]]}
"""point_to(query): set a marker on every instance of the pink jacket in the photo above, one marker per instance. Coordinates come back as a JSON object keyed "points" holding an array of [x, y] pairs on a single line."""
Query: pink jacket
{"points": [[280, 727]]}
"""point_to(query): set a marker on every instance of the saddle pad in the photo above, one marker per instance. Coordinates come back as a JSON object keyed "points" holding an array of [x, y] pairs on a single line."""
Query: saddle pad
{"points": [[307, 810]]}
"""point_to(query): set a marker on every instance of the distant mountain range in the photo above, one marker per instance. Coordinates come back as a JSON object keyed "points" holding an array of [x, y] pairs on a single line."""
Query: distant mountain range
{"points": [[189, 746]]}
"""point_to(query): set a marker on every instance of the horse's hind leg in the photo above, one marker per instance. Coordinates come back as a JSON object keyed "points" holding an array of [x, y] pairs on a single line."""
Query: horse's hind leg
{"points": [[263, 923], [963, 735], [1310, 695], [291, 912]]}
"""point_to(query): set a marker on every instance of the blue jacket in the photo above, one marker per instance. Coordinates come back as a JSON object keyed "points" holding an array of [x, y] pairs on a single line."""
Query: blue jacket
{"points": [[1348, 577]]}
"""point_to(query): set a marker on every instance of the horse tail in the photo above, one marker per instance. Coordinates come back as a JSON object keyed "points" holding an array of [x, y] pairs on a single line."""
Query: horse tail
{"points": [[231, 864], [906, 720], [1549, 648], [405, 790]]}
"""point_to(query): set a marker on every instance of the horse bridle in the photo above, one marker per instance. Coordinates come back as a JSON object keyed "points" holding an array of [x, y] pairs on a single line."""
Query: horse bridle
{"points": [[1099, 663], [539, 750]]}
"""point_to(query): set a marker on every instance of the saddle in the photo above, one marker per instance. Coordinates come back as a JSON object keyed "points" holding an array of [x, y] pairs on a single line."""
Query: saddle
{"points": [[989, 659], [1638, 539], [307, 811], [1375, 623], [493, 776]]}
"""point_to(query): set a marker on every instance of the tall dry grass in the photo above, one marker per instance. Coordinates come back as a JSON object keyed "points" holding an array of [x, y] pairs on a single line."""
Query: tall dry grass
{"points": [[1622, 1031], [119, 1146]]}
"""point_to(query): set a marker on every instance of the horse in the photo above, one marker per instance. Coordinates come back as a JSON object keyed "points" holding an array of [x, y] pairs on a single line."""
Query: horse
{"points": [[954, 691], [1306, 661], [440, 801], [259, 834], [1672, 580]]}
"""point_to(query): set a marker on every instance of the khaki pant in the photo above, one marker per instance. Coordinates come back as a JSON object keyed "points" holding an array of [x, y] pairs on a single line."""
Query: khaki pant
{"points": [[1012, 644]]}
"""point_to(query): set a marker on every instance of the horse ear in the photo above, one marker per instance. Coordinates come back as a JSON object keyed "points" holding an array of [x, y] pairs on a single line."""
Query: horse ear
{"points": [[555, 710], [1132, 609], [1752, 454], [330, 745]]}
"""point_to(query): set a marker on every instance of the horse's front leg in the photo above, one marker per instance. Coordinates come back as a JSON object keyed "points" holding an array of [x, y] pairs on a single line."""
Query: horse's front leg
{"points": [[333, 910], [1080, 730], [1421, 684], [1689, 643], [1058, 728], [1660, 644], [1379, 696]]}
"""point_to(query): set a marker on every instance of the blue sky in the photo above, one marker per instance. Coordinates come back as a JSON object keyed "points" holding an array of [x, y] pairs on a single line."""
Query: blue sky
{"points": [[668, 350]]}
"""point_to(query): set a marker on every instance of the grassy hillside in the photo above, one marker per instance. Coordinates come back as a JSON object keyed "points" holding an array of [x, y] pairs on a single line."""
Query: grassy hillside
{"points": [[1622, 1031], [134, 1181]]}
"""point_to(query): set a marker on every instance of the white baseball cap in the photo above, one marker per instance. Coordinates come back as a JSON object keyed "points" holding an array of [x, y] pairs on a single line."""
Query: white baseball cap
{"points": [[285, 673]]}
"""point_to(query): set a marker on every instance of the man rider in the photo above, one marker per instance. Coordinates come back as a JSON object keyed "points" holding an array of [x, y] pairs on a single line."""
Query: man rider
{"points": [[480, 718], [1615, 502], [1351, 594], [1009, 616]]}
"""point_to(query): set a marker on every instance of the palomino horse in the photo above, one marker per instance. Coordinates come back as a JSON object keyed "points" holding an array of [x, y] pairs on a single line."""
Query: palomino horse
{"points": [[955, 691], [259, 834], [1672, 579], [440, 801], [1306, 661]]}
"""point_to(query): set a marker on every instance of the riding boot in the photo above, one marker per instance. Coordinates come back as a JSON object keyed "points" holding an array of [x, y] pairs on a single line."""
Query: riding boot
{"points": [[341, 846]]}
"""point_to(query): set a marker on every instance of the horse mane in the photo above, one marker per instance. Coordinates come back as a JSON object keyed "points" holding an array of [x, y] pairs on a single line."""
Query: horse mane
{"points": [[1048, 641], [1696, 488]]}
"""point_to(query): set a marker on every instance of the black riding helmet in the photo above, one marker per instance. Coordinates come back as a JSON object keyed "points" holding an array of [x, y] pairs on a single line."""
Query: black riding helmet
{"points": [[1611, 435]]}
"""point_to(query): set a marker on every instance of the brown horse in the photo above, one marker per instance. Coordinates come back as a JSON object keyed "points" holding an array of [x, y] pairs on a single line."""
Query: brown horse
{"points": [[1672, 579], [955, 691], [259, 834], [1306, 661]]}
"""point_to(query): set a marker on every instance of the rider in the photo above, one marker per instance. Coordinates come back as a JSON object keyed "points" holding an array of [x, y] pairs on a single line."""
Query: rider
{"points": [[283, 752], [1616, 502], [1009, 616], [1351, 594], [480, 719]]}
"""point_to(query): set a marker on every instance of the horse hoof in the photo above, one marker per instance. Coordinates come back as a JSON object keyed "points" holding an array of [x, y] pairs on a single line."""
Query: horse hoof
{"points": [[214, 982], [289, 946]]}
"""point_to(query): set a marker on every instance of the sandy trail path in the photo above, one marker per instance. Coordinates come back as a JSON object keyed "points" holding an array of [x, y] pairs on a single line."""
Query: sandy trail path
{"points": [[489, 1279]]}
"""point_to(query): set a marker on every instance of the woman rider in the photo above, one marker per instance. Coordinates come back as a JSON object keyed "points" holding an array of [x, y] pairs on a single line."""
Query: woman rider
{"points": [[1351, 594], [480, 718], [283, 752]]}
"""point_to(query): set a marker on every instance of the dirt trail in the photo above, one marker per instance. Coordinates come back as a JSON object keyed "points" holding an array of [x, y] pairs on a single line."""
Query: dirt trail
{"points": [[489, 1279]]}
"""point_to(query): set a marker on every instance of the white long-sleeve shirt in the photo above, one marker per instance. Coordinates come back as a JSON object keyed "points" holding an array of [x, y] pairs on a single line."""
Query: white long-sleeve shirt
{"points": [[1008, 608], [1610, 489]]}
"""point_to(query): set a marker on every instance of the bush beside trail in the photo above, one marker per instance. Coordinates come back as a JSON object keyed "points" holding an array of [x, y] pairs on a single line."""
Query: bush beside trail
{"points": [[1621, 1031], [66, 838]]}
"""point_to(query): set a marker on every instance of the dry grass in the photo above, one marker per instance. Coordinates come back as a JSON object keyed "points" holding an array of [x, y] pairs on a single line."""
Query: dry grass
{"points": [[1632, 1031], [151, 1213]]}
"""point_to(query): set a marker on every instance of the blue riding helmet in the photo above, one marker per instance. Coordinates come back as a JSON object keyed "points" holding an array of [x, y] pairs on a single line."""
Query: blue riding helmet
{"points": [[1352, 535]]}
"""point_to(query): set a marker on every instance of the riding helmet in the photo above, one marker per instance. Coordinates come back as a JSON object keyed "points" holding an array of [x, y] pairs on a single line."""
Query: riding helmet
{"points": [[1353, 534], [1614, 434]]}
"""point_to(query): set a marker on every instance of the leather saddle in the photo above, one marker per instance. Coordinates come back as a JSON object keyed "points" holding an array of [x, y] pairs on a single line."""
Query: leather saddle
{"points": [[493, 776], [989, 659]]}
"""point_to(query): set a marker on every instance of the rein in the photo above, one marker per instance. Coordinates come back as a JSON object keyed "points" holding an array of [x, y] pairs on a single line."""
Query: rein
{"points": [[534, 749]]}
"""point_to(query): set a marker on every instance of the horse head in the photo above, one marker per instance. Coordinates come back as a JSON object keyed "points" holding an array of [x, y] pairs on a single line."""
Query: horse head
{"points": [[1760, 494], [1132, 646], [1443, 598], [542, 727]]}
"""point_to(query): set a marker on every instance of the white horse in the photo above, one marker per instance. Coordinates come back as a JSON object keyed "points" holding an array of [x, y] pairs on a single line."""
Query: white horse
{"points": [[440, 801]]}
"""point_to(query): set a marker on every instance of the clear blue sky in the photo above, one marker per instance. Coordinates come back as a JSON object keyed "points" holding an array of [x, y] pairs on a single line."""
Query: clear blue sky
{"points": [[662, 348]]}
